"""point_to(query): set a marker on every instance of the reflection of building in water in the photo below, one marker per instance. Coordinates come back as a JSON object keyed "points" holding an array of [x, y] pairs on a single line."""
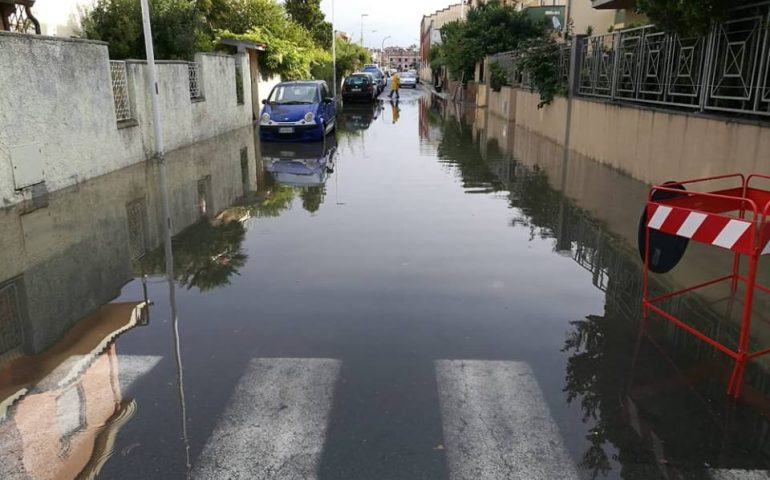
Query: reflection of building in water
{"points": [[645, 398], [59, 263], [60, 411]]}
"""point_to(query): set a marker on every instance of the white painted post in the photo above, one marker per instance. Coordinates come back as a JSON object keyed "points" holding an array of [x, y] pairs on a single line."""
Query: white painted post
{"points": [[334, 54], [156, 122]]}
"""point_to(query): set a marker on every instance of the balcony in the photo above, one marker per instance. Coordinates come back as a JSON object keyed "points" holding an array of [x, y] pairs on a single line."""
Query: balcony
{"points": [[612, 4]]}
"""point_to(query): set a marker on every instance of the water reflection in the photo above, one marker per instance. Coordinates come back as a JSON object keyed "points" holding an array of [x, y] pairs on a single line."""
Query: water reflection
{"points": [[359, 116], [65, 392], [652, 397]]}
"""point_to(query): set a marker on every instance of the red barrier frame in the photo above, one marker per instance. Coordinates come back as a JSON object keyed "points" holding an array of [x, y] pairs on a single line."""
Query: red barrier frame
{"points": [[742, 199]]}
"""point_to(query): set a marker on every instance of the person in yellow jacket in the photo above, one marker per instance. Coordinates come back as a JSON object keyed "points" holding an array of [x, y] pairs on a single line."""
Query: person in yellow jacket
{"points": [[395, 84]]}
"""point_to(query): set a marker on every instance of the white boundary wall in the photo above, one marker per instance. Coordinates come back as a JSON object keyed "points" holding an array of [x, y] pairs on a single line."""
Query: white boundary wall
{"points": [[57, 113]]}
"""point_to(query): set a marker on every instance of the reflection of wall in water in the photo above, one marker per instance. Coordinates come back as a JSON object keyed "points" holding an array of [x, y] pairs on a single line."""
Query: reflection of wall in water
{"points": [[60, 411], [75, 254]]}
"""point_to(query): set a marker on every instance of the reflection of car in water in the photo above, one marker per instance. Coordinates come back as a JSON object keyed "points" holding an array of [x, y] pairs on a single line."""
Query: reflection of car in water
{"points": [[357, 116], [300, 164]]}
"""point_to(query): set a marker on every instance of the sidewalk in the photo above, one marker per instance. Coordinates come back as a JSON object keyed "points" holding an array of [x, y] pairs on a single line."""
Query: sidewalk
{"points": [[429, 88]]}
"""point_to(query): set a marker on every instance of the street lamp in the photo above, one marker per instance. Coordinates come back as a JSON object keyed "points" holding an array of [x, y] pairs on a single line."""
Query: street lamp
{"points": [[382, 50], [362, 27], [334, 56]]}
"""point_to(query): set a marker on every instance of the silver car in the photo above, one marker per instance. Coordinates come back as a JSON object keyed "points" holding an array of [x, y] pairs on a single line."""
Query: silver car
{"points": [[408, 79]]}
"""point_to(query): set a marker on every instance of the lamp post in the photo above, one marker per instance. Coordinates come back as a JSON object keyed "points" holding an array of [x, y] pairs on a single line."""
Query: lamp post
{"points": [[382, 50], [362, 27], [334, 56]]}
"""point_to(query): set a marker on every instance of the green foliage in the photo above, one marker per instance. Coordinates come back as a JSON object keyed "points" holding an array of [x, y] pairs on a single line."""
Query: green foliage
{"points": [[291, 52], [308, 14], [686, 17], [540, 59], [498, 77], [177, 28], [351, 57], [490, 28]]}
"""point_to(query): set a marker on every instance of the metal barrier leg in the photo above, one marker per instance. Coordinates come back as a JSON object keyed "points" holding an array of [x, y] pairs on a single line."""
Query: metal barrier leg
{"points": [[736, 380], [646, 280]]}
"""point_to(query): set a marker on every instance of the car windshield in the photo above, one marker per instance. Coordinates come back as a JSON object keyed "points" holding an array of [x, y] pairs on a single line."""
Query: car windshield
{"points": [[407, 75], [373, 70], [295, 94]]}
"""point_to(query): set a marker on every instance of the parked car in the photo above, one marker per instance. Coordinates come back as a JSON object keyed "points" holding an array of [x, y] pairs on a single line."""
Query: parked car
{"points": [[360, 86], [379, 75], [298, 111], [408, 79]]}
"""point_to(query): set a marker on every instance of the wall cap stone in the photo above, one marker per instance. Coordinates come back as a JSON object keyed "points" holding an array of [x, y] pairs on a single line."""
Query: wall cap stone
{"points": [[49, 38]]}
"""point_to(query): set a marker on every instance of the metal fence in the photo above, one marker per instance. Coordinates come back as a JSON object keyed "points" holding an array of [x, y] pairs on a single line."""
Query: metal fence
{"points": [[120, 90], [195, 84], [726, 70], [518, 77], [238, 82], [10, 318]]}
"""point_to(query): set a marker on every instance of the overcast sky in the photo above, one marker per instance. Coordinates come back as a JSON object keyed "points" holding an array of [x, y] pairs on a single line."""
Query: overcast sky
{"points": [[398, 18]]}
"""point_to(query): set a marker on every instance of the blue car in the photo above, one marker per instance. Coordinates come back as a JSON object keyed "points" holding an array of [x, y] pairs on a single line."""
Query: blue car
{"points": [[298, 111]]}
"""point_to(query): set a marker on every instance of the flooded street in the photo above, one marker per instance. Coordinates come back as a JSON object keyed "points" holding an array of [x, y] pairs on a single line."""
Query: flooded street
{"points": [[434, 294]]}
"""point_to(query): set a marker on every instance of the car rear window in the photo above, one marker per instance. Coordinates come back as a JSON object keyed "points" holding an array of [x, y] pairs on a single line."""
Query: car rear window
{"points": [[357, 80]]}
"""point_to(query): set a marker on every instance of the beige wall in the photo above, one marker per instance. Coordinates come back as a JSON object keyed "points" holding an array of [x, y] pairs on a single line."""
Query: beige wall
{"points": [[583, 16], [652, 146]]}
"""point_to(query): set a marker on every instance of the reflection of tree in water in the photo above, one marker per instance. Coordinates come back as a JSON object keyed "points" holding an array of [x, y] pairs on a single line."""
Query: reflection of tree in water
{"points": [[458, 149], [312, 198], [206, 254]]}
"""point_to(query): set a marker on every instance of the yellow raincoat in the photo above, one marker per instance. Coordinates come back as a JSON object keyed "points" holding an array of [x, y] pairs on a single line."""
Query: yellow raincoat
{"points": [[395, 82]]}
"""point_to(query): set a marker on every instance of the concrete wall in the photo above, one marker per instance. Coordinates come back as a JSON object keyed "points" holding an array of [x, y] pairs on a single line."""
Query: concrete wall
{"points": [[650, 145], [57, 114]]}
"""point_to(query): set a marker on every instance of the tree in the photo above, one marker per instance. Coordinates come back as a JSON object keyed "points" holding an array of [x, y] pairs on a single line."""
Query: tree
{"points": [[308, 14], [177, 27], [686, 17], [490, 28]]}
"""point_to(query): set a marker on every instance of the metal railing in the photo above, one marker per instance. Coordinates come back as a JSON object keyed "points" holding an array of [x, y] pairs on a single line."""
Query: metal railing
{"points": [[238, 82], [195, 84], [518, 77], [120, 90], [10, 318], [727, 70]]}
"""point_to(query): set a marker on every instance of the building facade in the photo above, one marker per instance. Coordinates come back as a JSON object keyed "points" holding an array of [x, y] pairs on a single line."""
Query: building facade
{"points": [[430, 34], [401, 59]]}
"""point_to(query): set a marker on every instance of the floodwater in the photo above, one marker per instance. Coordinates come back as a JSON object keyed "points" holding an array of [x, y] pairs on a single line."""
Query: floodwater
{"points": [[432, 294]]}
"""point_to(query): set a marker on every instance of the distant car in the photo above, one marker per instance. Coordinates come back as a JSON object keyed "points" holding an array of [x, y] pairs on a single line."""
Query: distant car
{"points": [[360, 86], [379, 75], [408, 79], [299, 111]]}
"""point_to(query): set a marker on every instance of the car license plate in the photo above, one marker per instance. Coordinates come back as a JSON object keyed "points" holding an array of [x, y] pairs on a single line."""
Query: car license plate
{"points": [[286, 130], [356, 89]]}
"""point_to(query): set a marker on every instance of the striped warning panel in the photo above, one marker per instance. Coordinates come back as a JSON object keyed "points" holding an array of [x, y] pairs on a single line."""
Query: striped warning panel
{"points": [[718, 230]]}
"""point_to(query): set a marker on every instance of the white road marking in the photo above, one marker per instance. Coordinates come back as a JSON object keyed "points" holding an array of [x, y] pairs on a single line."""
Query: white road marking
{"points": [[497, 425], [133, 367], [274, 426], [731, 233], [720, 474], [692, 224], [659, 217]]}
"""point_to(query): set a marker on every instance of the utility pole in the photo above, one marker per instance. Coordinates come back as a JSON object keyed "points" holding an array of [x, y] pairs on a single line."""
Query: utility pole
{"points": [[334, 55], [362, 27], [160, 154], [382, 50]]}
